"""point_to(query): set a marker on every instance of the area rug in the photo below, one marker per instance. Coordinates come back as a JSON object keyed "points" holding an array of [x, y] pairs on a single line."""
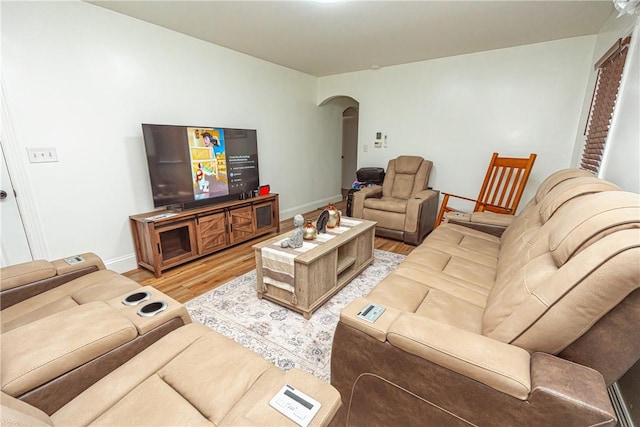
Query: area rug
{"points": [[280, 335]]}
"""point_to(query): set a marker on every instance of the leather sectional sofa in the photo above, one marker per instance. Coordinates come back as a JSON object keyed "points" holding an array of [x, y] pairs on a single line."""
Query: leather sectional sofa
{"points": [[502, 322], [82, 345]]}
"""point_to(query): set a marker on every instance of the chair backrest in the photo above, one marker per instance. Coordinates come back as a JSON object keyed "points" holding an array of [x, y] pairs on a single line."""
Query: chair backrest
{"points": [[406, 176], [504, 184], [581, 265], [529, 216]]}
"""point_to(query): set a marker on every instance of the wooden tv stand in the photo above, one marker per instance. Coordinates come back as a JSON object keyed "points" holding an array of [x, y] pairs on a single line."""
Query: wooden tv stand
{"points": [[164, 239]]}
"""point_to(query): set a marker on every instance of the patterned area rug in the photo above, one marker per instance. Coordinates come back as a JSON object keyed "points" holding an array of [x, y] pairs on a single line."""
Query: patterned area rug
{"points": [[280, 335]]}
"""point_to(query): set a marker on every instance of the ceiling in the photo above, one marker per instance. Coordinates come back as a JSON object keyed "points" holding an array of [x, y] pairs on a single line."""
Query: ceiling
{"points": [[323, 38]]}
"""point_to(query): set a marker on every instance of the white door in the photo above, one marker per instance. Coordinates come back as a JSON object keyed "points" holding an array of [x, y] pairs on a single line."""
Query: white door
{"points": [[14, 247]]}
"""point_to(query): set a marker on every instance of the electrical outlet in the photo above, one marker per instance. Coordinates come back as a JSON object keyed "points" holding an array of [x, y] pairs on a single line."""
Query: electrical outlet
{"points": [[365, 148], [42, 155]]}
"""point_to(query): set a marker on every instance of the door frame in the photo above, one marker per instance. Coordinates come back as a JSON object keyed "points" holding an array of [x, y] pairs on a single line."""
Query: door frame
{"points": [[21, 181]]}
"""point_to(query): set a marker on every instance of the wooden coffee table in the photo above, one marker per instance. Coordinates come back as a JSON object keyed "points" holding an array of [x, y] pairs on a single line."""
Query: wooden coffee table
{"points": [[320, 272]]}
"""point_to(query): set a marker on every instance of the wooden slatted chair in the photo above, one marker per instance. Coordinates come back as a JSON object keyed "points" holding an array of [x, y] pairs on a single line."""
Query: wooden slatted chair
{"points": [[502, 188]]}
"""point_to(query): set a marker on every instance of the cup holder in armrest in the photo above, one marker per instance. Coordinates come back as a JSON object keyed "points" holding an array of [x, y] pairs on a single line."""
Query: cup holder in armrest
{"points": [[150, 310], [137, 298]]}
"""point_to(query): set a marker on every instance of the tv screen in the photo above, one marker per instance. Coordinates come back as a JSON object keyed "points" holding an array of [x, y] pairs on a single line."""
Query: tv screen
{"points": [[194, 165]]}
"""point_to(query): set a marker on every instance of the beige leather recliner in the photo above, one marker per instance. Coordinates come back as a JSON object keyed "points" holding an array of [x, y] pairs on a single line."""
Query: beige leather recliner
{"points": [[402, 206], [527, 327], [33, 290], [193, 376]]}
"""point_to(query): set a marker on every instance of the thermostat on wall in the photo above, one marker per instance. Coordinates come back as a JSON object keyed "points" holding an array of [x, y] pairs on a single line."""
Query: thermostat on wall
{"points": [[378, 141]]}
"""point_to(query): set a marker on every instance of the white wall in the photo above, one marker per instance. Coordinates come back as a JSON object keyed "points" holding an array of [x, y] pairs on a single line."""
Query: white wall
{"points": [[456, 111], [82, 79]]}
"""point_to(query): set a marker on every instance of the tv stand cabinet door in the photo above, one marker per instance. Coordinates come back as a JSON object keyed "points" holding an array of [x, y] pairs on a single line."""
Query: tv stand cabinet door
{"points": [[212, 232], [241, 224], [265, 217], [175, 244]]}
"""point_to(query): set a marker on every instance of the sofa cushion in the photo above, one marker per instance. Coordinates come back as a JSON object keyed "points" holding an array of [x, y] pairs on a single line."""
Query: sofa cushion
{"points": [[589, 242], [556, 178], [385, 219], [387, 204], [101, 285], [605, 214], [529, 218], [42, 350], [520, 235], [192, 376], [568, 190], [465, 238], [28, 272]]}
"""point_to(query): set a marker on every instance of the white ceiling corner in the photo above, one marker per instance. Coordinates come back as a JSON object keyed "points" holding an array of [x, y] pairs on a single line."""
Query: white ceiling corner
{"points": [[326, 38]]}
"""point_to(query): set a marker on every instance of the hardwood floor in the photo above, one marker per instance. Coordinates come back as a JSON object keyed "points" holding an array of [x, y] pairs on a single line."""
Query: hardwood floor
{"points": [[197, 277]]}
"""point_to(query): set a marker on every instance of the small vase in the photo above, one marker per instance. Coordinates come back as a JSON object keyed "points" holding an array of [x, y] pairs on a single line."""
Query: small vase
{"points": [[309, 231], [334, 216]]}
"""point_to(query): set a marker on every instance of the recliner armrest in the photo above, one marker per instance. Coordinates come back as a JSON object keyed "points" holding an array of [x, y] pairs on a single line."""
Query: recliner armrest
{"points": [[22, 281], [33, 271], [417, 207], [377, 330], [89, 259], [501, 366], [360, 196]]}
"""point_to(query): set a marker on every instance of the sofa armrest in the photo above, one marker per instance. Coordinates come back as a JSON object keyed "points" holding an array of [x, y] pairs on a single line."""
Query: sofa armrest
{"points": [[501, 366], [22, 281], [375, 378], [360, 196], [85, 260], [377, 330]]}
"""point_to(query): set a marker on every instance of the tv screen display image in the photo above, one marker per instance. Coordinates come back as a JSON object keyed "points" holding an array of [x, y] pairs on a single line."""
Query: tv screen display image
{"points": [[193, 166]]}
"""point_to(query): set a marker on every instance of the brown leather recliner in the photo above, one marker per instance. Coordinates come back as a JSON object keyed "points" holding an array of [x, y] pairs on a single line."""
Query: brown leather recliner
{"points": [[403, 207], [525, 328]]}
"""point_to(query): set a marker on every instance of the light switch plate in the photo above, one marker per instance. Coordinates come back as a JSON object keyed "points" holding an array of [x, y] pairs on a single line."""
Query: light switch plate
{"points": [[42, 155]]}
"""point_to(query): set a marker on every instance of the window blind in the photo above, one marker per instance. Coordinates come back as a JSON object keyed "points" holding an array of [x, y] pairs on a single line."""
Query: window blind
{"points": [[603, 102]]}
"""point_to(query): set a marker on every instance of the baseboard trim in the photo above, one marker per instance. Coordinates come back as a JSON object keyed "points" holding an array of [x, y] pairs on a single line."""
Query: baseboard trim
{"points": [[307, 207], [619, 406], [122, 264]]}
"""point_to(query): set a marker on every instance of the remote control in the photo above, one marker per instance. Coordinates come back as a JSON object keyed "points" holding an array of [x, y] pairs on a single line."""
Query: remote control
{"points": [[295, 405]]}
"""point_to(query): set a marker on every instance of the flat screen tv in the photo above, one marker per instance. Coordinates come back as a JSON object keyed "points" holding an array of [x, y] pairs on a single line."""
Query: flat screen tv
{"points": [[194, 165]]}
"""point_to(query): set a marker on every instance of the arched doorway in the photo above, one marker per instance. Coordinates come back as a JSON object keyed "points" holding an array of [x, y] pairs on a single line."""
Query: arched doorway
{"points": [[350, 118]]}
